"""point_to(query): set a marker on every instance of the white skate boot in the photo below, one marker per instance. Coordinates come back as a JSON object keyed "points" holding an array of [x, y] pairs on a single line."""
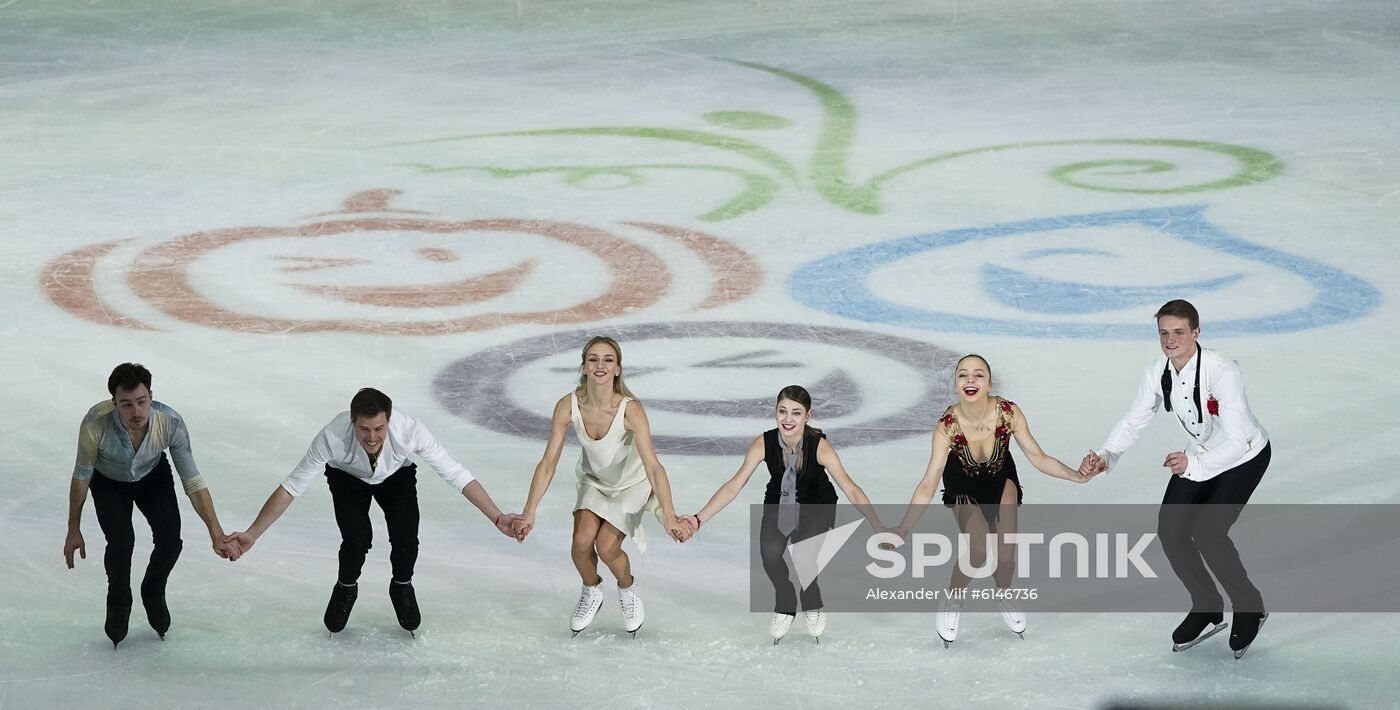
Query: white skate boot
{"points": [[816, 622], [947, 623], [589, 600], [778, 626], [633, 613], [1013, 615]]}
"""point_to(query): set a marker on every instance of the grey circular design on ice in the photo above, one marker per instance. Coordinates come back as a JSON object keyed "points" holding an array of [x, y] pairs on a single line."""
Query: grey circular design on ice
{"points": [[475, 387]]}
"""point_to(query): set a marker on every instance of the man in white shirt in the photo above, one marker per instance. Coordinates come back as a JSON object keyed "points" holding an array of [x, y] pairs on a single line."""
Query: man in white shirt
{"points": [[364, 455], [1227, 457]]}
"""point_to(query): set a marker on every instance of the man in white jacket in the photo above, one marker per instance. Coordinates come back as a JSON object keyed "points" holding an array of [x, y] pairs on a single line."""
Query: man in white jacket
{"points": [[364, 455], [1212, 478]]}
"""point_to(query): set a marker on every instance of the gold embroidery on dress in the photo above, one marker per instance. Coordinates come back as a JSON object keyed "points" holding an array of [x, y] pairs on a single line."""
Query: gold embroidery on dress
{"points": [[1001, 439]]}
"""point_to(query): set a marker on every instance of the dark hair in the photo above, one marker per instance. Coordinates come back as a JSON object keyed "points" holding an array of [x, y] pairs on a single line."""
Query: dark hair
{"points": [[126, 376], [1180, 309], [798, 394], [369, 403], [979, 357]]}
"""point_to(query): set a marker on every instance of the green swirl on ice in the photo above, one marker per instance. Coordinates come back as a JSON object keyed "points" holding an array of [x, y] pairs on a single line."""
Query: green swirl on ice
{"points": [[762, 171]]}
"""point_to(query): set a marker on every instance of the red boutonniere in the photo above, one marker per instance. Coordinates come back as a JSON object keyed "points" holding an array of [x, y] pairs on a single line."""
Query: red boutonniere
{"points": [[1000, 432], [960, 440], [1005, 406], [1213, 406], [948, 420]]}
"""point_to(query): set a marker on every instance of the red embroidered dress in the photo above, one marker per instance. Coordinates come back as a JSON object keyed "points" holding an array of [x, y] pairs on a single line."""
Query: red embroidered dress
{"points": [[967, 480]]}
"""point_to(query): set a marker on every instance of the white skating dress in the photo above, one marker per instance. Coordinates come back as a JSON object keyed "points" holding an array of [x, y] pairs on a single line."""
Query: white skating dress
{"points": [[612, 482]]}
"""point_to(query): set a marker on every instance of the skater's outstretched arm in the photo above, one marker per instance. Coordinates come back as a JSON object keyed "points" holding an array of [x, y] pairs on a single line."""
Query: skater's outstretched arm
{"points": [[476, 493], [923, 493], [77, 497], [544, 470], [826, 456], [635, 420], [729, 490], [426, 446], [273, 509], [318, 454], [224, 547], [1043, 462]]}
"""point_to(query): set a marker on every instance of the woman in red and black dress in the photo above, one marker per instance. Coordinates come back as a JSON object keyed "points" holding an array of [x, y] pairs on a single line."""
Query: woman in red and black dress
{"points": [[972, 457]]}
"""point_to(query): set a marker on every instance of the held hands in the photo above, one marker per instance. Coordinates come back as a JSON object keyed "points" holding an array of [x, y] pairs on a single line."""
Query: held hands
{"points": [[1091, 466], [227, 546], [1177, 462], [505, 522], [238, 542], [74, 542], [899, 532], [690, 525], [521, 525], [679, 531]]}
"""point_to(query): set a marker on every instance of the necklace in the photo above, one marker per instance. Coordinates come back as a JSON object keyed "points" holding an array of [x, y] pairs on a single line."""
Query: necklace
{"points": [[979, 425]]}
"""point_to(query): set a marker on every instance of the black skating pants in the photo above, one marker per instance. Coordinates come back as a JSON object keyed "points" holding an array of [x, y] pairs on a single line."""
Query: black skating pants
{"points": [[397, 496], [154, 496]]}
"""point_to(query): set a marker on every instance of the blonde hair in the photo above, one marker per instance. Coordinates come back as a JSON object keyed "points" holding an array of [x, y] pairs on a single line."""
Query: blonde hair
{"points": [[619, 386]]}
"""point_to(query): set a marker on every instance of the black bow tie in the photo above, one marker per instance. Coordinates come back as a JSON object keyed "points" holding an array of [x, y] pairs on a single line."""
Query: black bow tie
{"points": [[1195, 393]]}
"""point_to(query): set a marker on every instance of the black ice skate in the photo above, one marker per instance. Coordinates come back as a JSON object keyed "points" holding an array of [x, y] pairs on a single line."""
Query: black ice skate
{"points": [[338, 609], [1247, 625], [157, 613], [1189, 633], [405, 605], [117, 619]]}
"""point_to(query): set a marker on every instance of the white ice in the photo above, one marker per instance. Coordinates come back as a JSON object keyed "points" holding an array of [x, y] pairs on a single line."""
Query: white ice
{"points": [[136, 124]]}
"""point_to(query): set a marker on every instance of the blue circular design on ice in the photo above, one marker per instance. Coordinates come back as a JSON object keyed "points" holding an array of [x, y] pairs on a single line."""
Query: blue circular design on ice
{"points": [[839, 283]]}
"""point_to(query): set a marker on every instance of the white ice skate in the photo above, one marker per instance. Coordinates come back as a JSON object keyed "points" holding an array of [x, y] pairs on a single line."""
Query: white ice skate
{"points": [[1014, 616], [589, 600], [778, 626], [816, 622], [633, 613], [947, 623]]}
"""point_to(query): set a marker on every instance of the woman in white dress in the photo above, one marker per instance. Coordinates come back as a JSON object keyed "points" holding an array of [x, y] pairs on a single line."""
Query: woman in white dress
{"points": [[619, 479]]}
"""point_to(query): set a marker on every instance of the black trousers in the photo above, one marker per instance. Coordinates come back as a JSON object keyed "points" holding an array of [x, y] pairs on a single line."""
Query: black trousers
{"points": [[154, 496], [1194, 527], [397, 496], [813, 519]]}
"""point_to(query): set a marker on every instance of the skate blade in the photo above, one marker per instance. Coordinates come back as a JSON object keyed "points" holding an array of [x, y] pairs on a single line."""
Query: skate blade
{"points": [[1178, 647], [1240, 653], [574, 634], [1020, 635]]}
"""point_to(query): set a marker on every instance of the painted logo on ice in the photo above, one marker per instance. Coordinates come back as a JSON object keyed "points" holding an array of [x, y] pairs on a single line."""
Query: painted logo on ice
{"points": [[1082, 276], [709, 387], [372, 268]]}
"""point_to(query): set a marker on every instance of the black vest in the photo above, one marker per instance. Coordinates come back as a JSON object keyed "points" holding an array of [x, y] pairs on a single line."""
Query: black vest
{"points": [[813, 485]]}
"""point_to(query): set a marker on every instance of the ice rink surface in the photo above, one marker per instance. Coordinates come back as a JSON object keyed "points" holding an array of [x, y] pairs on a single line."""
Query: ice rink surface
{"points": [[273, 204]]}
